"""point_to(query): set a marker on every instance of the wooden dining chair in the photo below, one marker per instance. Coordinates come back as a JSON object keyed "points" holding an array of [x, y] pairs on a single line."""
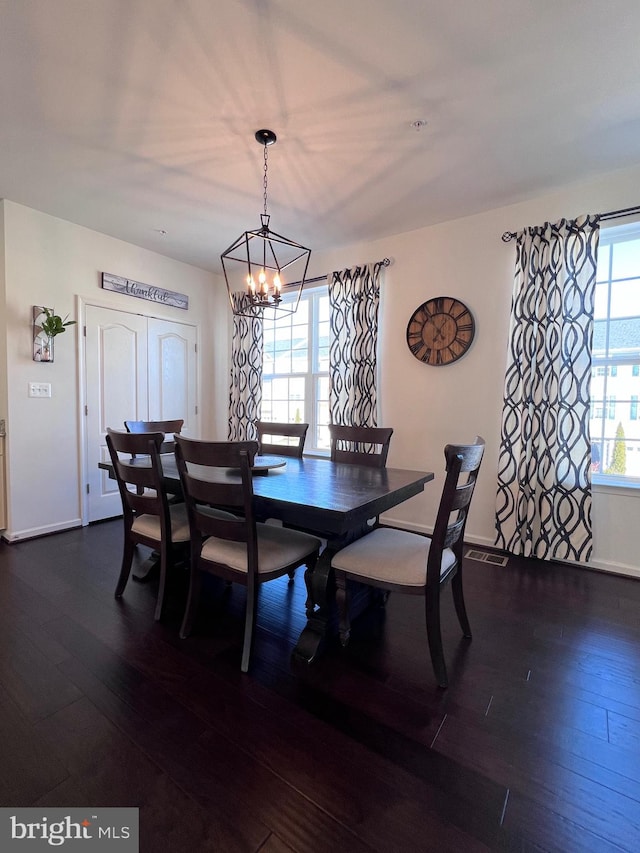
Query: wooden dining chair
{"points": [[402, 561], [367, 446], [236, 548], [148, 517], [295, 435], [172, 426]]}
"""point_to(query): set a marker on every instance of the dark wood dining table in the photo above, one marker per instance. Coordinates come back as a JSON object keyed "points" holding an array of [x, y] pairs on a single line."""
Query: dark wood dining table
{"points": [[332, 500]]}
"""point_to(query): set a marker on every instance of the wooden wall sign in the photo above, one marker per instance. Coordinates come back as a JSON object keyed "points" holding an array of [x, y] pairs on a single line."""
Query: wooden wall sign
{"points": [[129, 287]]}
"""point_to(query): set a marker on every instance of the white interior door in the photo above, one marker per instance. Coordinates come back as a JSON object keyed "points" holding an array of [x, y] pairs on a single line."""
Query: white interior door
{"points": [[117, 390], [136, 368], [172, 373]]}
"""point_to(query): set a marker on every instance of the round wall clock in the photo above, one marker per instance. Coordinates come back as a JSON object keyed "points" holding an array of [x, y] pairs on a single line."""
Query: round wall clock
{"points": [[440, 331]]}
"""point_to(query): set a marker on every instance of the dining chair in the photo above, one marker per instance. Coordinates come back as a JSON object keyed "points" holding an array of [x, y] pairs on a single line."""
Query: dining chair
{"points": [[399, 560], [168, 446], [282, 430], [236, 548], [148, 517], [172, 426], [367, 446]]}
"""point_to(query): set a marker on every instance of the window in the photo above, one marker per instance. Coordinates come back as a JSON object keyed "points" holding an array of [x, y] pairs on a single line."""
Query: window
{"points": [[615, 379], [295, 373]]}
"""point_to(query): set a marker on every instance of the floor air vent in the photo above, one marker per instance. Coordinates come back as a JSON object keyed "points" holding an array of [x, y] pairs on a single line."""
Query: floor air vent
{"points": [[486, 557]]}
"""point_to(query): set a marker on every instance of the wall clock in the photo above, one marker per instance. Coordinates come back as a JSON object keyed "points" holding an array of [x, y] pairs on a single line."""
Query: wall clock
{"points": [[440, 331]]}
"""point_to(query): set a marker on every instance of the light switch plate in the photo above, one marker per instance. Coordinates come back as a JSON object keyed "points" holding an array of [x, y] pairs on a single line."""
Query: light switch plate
{"points": [[39, 389]]}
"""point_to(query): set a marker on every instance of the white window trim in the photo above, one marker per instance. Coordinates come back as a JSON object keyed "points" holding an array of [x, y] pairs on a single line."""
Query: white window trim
{"points": [[611, 483], [312, 376]]}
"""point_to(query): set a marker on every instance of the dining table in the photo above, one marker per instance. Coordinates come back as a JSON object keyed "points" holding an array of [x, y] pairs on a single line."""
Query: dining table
{"points": [[335, 501]]}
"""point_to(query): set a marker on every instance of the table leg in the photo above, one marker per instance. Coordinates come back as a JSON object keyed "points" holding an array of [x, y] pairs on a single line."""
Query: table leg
{"points": [[147, 570], [320, 609], [322, 613]]}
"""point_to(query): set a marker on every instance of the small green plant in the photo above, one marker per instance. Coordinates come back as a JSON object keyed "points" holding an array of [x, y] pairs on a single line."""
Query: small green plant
{"points": [[619, 457], [54, 324]]}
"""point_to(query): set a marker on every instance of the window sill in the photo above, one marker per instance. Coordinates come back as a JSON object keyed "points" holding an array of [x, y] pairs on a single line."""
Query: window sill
{"points": [[611, 486]]}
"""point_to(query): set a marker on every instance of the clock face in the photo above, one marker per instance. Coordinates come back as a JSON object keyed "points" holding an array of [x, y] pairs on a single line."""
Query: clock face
{"points": [[440, 331]]}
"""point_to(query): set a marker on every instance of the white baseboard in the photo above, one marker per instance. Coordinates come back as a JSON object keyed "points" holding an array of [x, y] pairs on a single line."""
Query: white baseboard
{"points": [[614, 568], [34, 532]]}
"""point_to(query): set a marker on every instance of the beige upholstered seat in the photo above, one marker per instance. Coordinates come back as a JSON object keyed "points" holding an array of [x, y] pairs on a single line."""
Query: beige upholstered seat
{"points": [[149, 525], [278, 548], [376, 557], [398, 560], [235, 547]]}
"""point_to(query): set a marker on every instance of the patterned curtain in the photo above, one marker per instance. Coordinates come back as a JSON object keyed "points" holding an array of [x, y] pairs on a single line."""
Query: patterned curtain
{"points": [[245, 393], [354, 297], [544, 480]]}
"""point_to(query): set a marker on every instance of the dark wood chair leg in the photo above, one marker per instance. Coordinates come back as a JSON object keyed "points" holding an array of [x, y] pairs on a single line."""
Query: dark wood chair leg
{"points": [[164, 559], [127, 560], [292, 575], [434, 636], [192, 604], [249, 624], [342, 601], [458, 600]]}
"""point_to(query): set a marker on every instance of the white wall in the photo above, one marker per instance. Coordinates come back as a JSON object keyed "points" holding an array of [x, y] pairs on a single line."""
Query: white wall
{"points": [[52, 262], [3, 330], [430, 406], [49, 261]]}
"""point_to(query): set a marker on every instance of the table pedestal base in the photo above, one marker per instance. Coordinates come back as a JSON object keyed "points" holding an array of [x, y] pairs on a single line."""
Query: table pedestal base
{"points": [[322, 621]]}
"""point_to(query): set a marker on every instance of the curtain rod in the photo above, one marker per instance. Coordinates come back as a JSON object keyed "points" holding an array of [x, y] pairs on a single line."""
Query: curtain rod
{"points": [[603, 217], [384, 262]]}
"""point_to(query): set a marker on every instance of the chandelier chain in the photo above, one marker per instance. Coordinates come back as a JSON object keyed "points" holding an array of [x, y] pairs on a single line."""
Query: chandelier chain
{"points": [[264, 183]]}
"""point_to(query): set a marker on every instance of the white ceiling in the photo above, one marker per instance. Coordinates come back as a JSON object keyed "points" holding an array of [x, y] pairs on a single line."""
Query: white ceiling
{"points": [[130, 116]]}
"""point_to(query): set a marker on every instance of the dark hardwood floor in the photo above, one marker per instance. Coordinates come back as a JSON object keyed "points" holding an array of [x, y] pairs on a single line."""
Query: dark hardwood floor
{"points": [[535, 745]]}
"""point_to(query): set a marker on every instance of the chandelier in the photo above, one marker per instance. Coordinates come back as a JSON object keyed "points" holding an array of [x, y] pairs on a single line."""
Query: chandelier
{"points": [[261, 266]]}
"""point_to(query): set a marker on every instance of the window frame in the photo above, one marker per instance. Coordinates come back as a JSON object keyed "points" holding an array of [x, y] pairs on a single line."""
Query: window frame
{"points": [[605, 367], [313, 377]]}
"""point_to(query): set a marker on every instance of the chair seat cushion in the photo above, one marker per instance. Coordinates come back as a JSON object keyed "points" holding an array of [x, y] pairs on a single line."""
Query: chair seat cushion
{"points": [[149, 525], [389, 555], [278, 547]]}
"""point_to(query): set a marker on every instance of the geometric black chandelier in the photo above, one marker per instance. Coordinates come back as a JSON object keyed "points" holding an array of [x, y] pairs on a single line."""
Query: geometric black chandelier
{"points": [[260, 265]]}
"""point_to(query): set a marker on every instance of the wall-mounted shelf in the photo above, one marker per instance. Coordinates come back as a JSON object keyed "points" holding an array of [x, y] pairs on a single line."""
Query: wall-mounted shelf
{"points": [[42, 344]]}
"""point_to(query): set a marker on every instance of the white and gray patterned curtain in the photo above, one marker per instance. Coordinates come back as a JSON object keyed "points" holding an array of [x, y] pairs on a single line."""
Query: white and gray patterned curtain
{"points": [[544, 481], [245, 392], [354, 298]]}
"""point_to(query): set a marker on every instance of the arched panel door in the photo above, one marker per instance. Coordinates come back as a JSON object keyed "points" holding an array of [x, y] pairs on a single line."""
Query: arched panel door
{"points": [[172, 373], [136, 368]]}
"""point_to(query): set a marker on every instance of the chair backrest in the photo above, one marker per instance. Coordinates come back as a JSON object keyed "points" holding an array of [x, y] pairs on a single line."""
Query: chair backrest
{"points": [[297, 432], [367, 446], [149, 496], [462, 466], [204, 473], [173, 426]]}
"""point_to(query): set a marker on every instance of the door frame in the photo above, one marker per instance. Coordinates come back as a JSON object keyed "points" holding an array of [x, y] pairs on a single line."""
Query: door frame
{"points": [[82, 302]]}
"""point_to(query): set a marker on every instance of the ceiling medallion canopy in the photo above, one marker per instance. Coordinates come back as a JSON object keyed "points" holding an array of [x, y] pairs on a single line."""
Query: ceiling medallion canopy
{"points": [[261, 266]]}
